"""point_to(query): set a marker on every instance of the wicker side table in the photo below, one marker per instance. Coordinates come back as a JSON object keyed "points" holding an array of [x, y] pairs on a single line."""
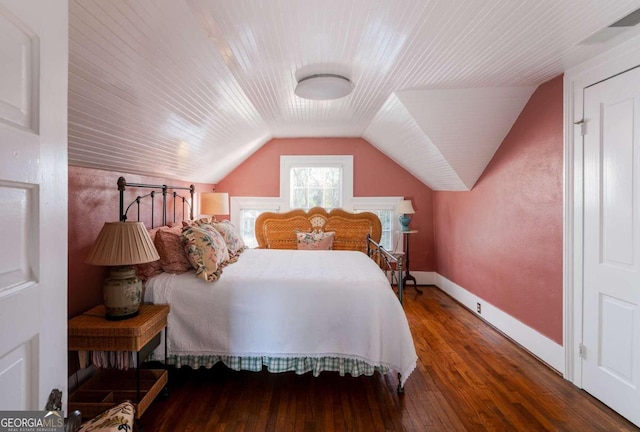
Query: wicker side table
{"points": [[92, 332]]}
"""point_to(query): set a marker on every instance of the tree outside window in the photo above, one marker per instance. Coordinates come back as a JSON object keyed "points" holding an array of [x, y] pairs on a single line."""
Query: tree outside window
{"points": [[316, 187]]}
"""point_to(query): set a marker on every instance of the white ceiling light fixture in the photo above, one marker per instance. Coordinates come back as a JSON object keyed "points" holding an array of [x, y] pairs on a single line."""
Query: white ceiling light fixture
{"points": [[324, 87]]}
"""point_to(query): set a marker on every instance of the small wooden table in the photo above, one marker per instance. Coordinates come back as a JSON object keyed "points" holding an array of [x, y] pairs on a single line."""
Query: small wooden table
{"points": [[92, 332], [407, 275]]}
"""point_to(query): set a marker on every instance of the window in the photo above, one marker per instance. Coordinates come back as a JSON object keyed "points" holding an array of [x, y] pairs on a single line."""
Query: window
{"points": [[315, 187], [384, 208], [322, 181], [316, 181], [244, 212]]}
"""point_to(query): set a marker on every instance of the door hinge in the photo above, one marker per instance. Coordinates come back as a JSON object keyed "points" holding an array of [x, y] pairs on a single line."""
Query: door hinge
{"points": [[582, 350], [583, 126]]}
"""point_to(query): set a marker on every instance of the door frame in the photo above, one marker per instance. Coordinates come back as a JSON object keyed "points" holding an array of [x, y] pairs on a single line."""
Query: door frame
{"points": [[614, 61]]}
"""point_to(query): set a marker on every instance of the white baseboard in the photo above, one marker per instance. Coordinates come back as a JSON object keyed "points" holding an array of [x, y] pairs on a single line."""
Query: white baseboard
{"points": [[538, 344], [422, 278]]}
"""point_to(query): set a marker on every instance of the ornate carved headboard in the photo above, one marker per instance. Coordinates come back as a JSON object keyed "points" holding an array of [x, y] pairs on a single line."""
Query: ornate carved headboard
{"points": [[278, 230]]}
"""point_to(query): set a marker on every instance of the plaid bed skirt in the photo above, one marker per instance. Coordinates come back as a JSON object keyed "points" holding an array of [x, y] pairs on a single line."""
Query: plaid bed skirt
{"points": [[299, 365]]}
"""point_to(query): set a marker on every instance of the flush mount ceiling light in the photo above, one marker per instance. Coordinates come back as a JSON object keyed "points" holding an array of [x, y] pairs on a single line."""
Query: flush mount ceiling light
{"points": [[324, 87]]}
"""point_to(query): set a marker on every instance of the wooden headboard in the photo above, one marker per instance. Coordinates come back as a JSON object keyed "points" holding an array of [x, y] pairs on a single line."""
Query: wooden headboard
{"points": [[278, 230]]}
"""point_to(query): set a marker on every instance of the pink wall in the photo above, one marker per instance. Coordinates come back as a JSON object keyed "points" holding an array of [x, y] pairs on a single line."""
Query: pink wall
{"points": [[502, 241], [93, 200], [374, 175]]}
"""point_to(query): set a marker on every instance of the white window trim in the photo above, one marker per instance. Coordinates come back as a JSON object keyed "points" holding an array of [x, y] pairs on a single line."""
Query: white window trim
{"points": [[349, 202], [383, 203], [343, 161], [251, 203]]}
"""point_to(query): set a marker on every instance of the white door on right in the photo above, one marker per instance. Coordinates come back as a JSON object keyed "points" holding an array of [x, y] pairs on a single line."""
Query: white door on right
{"points": [[611, 320]]}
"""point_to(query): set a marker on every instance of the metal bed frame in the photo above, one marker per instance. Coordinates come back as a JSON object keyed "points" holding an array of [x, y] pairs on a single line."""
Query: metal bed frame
{"points": [[162, 189], [389, 263]]}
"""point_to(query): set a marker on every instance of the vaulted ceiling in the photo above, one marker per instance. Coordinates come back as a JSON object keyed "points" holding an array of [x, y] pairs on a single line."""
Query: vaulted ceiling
{"points": [[188, 89]]}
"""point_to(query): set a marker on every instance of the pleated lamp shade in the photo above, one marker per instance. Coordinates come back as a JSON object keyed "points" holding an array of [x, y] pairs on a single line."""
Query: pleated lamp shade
{"points": [[405, 207], [214, 203], [122, 244]]}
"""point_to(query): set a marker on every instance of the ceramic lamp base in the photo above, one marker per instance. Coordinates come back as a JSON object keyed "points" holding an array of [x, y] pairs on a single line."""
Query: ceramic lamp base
{"points": [[404, 221], [121, 317], [122, 292]]}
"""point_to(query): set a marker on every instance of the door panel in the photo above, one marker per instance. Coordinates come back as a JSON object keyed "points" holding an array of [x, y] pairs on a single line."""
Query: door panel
{"points": [[19, 225], [33, 201], [611, 364], [15, 373], [617, 182], [617, 330], [19, 92]]}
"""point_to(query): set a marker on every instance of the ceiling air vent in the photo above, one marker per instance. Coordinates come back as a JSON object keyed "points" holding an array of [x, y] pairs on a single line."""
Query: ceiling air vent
{"points": [[613, 30]]}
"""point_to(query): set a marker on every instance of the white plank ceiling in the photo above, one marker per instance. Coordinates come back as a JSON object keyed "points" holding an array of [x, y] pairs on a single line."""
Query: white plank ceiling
{"points": [[188, 89]]}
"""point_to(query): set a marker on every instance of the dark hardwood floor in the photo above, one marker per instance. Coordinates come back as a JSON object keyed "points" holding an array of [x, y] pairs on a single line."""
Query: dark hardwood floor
{"points": [[469, 378]]}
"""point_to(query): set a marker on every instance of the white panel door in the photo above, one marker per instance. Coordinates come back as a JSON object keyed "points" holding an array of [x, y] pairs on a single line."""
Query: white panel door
{"points": [[33, 201], [611, 338]]}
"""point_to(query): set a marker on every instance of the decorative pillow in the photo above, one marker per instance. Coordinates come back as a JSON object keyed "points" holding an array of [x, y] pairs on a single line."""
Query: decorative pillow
{"points": [[206, 251], [226, 258], [316, 240], [231, 237], [146, 270], [201, 221], [116, 419], [171, 250]]}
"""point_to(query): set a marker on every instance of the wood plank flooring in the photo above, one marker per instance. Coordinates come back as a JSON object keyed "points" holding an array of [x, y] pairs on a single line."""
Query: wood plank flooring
{"points": [[469, 378]]}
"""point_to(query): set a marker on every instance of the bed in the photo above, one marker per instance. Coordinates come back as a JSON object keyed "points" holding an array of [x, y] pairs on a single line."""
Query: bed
{"points": [[283, 309]]}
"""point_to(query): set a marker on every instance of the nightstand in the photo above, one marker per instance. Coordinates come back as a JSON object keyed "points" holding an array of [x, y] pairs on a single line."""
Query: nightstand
{"points": [[92, 332]]}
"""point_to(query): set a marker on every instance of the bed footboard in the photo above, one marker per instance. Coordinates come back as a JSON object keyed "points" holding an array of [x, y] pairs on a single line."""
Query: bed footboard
{"points": [[391, 264]]}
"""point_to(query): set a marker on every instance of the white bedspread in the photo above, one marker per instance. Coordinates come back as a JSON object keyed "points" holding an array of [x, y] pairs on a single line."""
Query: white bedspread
{"points": [[289, 303]]}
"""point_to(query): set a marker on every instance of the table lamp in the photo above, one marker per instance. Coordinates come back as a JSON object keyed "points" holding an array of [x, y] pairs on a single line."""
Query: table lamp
{"points": [[404, 210], [121, 245], [214, 203]]}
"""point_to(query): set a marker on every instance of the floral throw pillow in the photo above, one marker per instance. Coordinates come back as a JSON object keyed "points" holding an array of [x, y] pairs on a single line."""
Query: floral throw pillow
{"points": [[118, 418], [316, 240], [206, 251], [231, 237], [201, 221]]}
